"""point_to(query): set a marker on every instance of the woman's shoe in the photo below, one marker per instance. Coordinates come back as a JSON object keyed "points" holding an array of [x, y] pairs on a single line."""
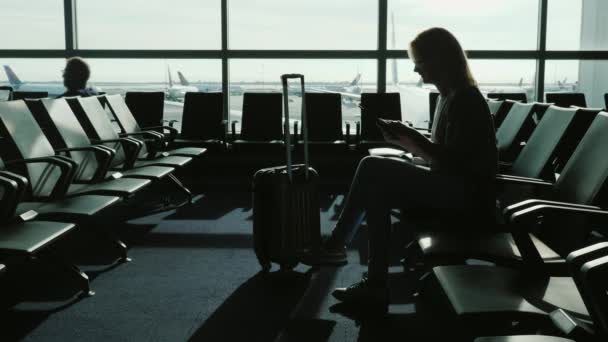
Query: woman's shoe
{"points": [[363, 293]]}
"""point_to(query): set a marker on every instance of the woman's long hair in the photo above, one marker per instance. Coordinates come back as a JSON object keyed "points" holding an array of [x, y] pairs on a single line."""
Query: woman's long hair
{"points": [[440, 46]]}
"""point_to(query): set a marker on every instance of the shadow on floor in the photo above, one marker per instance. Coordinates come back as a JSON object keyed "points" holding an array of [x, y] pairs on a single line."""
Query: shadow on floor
{"points": [[260, 307]]}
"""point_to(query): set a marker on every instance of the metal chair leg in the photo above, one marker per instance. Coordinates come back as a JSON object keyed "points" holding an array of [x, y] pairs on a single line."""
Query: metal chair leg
{"points": [[181, 186]]}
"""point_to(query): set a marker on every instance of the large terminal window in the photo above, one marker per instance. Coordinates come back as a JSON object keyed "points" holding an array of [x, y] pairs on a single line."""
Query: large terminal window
{"points": [[478, 24], [118, 76], [347, 77], [141, 24], [32, 24], [492, 75], [33, 74], [303, 24]]}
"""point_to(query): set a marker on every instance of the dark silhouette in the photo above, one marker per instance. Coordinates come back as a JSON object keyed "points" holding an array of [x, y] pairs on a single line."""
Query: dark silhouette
{"points": [[460, 166], [75, 77]]}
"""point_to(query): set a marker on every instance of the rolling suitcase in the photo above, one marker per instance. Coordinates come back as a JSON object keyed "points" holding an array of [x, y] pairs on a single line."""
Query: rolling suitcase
{"points": [[286, 218]]}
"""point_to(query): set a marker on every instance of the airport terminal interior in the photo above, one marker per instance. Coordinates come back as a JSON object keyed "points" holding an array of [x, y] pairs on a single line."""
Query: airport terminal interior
{"points": [[172, 200]]}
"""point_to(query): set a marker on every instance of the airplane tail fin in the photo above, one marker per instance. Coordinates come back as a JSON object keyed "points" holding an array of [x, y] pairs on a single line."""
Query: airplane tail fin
{"points": [[170, 79], [356, 80], [521, 82], [12, 77], [182, 80]]}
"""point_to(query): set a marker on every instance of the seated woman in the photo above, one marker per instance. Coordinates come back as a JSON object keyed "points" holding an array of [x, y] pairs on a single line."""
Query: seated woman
{"points": [[461, 153], [75, 77]]}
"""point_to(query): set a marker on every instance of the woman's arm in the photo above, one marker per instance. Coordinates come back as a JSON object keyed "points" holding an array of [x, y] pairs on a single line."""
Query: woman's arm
{"points": [[412, 141]]}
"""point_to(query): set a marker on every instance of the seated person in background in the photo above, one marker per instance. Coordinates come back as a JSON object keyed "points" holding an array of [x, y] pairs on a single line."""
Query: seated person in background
{"points": [[463, 161], [75, 77]]}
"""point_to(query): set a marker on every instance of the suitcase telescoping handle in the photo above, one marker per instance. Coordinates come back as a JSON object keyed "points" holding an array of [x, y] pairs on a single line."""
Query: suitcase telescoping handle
{"points": [[284, 79]]}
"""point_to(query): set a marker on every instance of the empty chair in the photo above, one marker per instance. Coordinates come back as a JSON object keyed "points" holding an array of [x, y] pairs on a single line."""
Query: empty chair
{"points": [[203, 122], [73, 140], [91, 114], [16, 119], [130, 127], [520, 97], [516, 129], [501, 112], [374, 106], [494, 105], [25, 240], [566, 99], [147, 108], [21, 95], [504, 295], [261, 124], [8, 90], [324, 116]]}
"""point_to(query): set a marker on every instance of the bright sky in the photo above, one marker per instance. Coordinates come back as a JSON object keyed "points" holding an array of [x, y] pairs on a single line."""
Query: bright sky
{"points": [[279, 24]]}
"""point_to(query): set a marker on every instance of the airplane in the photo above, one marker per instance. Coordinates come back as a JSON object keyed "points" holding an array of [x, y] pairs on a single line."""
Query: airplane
{"points": [[176, 92], [54, 89]]}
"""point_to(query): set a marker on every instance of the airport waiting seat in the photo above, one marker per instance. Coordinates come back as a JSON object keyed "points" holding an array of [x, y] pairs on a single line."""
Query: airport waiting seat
{"points": [[8, 90], [22, 95], [566, 99], [484, 297], [374, 106], [494, 105], [98, 126], [74, 142], [203, 122], [21, 129], [147, 108], [606, 101], [501, 112], [519, 97], [516, 128], [325, 134], [261, 125], [23, 239], [130, 127], [535, 164]]}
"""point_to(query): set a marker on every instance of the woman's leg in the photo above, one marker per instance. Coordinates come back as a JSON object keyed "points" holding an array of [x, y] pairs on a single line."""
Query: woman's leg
{"points": [[398, 184]]}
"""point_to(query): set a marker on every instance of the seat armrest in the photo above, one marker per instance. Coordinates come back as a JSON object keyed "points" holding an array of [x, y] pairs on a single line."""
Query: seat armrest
{"points": [[66, 166], [21, 181], [572, 327], [508, 211], [347, 138], [234, 122], [172, 130], [358, 132], [130, 146], [534, 213], [170, 122], [103, 155], [295, 131], [157, 141], [502, 178], [11, 195]]}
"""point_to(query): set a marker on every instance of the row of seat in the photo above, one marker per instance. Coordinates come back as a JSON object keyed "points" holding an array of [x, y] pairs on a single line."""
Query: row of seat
{"points": [[58, 176], [547, 272]]}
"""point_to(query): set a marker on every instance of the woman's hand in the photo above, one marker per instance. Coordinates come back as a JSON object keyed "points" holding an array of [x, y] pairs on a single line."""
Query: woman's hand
{"points": [[397, 133]]}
